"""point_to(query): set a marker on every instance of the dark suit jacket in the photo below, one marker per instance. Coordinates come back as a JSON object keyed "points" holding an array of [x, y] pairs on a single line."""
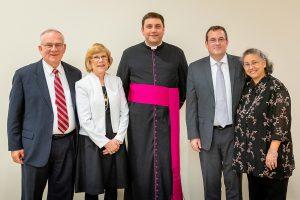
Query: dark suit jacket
{"points": [[200, 101], [30, 114]]}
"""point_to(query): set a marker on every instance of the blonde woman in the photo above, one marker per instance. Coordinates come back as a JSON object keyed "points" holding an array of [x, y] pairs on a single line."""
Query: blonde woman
{"points": [[103, 116]]}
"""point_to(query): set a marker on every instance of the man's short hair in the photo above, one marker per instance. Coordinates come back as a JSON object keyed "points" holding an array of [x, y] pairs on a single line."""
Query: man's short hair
{"points": [[215, 28], [153, 15], [50, 30]]}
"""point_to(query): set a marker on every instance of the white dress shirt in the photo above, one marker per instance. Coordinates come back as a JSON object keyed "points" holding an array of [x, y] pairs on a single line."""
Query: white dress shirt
{"points": [[91, 108], [48, 70], [225, 70]]}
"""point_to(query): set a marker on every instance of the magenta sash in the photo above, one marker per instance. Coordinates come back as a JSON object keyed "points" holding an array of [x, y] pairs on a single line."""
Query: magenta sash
{"points": [[163, 96]]}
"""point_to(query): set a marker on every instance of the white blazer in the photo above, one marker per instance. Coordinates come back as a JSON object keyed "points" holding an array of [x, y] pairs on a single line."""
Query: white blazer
{"points": [[91, 108]]}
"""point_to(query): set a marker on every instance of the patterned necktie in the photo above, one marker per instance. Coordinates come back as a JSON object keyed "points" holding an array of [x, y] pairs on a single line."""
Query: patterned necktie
{"points": [[221, 112], [60, 101]]}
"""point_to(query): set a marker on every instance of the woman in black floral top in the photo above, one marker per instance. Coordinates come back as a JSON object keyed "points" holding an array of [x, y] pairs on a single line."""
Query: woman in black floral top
{"points": [[263, 145]]}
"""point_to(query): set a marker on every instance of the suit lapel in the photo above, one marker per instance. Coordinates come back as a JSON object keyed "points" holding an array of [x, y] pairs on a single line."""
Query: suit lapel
{"points": [[208, 75], [71, 83], [40, 77], [231, 66], [232, 71]]}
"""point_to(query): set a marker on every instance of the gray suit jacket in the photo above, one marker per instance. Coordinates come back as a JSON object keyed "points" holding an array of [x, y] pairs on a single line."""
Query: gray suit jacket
{"points": [[200, 101], [30, 114]]}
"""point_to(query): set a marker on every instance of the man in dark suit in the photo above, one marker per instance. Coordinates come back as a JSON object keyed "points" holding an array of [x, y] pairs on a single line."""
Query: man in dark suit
{"points": [[214, 88], [42, 122]]}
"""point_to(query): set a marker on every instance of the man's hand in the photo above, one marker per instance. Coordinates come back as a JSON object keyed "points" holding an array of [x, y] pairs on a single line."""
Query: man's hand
{"points": [[18, 156], [196, 144], [111, 147]]}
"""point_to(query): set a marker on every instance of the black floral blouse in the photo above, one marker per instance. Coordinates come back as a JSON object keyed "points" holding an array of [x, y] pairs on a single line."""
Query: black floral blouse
{"points": [[263, 115]]}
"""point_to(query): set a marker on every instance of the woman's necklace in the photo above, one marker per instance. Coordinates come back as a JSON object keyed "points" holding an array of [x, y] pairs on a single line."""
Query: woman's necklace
{"points": [[105, 97]]}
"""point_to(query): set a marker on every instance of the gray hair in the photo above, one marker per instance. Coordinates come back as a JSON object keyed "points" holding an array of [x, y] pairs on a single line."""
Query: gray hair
{"points": [[262, 55], [50, 30]]}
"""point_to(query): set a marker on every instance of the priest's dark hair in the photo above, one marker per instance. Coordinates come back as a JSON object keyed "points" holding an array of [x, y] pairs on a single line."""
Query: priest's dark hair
{"points": [[153, 15]]}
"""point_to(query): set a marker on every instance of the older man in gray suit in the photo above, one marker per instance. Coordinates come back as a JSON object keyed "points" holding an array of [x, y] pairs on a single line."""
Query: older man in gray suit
{"points": [[214, 88], [42, 122]]}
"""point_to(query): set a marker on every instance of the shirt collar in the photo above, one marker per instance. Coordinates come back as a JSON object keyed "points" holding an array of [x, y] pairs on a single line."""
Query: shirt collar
{"points": [[49, 69], [223, 60]]}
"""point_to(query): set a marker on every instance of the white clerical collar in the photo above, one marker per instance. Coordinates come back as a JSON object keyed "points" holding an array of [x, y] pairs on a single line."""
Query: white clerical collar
{"points": [[153, 47]]}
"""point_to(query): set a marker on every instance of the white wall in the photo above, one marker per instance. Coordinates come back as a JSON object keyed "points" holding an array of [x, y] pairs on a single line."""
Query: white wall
{"points": [[272, 26]]}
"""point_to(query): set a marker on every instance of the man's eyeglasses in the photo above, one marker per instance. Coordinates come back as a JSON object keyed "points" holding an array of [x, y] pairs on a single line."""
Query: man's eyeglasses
{"points": [[217, 40], [51, 45]]}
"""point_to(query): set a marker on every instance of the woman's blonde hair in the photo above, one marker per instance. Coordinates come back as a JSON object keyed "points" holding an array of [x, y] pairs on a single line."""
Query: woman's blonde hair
{"points": [[94, 49]]}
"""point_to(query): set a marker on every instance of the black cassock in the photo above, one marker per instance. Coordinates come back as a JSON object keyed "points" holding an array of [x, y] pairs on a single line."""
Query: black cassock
{"points": [[148, 134]]}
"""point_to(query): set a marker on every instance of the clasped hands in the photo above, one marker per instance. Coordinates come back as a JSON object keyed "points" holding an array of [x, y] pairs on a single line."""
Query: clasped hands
{"points": [[111, 147]]}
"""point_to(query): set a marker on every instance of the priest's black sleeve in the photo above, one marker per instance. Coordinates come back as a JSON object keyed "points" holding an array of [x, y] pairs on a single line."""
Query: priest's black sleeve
{"points": [[182, 74], [124, 73]]}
